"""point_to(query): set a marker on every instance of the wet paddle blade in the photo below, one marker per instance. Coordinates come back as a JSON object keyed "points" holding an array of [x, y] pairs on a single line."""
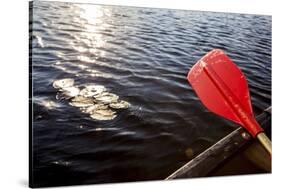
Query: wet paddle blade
{"points": [[229, 75]]}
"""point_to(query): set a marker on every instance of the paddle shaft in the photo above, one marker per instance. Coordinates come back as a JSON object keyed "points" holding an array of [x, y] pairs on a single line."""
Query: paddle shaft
{"points": [[264, 140], [248, 121]]}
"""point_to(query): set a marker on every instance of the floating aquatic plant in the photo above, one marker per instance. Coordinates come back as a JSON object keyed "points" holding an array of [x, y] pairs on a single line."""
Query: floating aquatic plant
{"points": [[63, 83], [119, 105], [92, 90], [81, 101], [94, 100]]}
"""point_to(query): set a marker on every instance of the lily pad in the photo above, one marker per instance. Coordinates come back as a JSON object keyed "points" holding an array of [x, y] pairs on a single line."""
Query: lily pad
{"points": [[70, 91], [80, 101], [95, 107], [93, 100], [92, 90], [107, 98], [119, 105], [103, 115], [63, 83]]}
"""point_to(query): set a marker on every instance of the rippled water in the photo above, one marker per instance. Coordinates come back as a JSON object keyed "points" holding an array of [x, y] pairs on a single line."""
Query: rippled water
{"points": [[142, 55]]}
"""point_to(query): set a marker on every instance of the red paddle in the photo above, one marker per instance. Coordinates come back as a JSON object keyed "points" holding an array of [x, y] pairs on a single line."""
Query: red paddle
{"points": [[223, 89]]}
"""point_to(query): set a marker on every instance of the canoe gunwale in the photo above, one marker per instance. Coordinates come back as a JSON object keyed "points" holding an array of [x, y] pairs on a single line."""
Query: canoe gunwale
{"points": [[218, 153]]}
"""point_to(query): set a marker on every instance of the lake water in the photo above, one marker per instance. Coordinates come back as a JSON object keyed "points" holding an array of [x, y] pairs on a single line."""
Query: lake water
{"points": [[142, 55]]}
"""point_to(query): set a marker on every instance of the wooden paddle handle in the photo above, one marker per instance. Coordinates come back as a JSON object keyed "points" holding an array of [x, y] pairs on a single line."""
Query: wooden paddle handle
{"points": [[264, 140]]}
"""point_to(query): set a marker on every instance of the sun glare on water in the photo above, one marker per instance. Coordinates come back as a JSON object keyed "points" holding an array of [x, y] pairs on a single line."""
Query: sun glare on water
{"points": [[89, 42], [93, 21]]}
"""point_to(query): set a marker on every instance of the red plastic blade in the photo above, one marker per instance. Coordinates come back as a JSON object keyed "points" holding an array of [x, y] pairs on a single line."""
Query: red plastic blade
{"points": [[222, 87]]}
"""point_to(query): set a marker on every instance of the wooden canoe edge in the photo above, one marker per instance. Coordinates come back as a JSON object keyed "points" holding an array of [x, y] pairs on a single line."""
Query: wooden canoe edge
{"points": [[208, 160]]}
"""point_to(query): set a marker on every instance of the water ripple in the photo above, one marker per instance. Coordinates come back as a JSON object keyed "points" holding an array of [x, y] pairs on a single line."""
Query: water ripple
{"points": [[143, 55]]}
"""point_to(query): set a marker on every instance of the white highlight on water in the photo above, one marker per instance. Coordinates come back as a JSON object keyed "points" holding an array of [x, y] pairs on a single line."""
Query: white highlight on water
{"points": [[39, 41]]}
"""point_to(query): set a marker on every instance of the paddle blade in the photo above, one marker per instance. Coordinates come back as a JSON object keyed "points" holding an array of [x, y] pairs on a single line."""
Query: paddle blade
{"points": [[228, 74]]}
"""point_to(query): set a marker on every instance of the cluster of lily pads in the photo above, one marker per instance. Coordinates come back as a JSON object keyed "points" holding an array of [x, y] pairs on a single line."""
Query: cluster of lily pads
{"points": [[94, 100]]}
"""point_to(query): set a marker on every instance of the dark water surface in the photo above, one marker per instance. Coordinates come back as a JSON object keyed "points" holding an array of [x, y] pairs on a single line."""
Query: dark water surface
{"points": [[142, 55]]}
